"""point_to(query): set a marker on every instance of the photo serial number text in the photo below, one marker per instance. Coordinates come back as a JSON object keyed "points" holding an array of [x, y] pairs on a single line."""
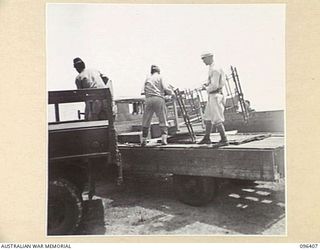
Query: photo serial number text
{"points": [[308, 245]]}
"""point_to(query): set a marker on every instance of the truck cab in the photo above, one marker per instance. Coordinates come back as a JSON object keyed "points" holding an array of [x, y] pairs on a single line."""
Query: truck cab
{"points": [[76, 151]]}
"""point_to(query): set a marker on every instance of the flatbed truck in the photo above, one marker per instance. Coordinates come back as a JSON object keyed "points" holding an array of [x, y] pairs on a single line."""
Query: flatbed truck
{"points": [[76, 148]]}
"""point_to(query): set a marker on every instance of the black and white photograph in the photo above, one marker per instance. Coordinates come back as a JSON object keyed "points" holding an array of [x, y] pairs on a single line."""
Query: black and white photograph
{"points": [[166, 119]]}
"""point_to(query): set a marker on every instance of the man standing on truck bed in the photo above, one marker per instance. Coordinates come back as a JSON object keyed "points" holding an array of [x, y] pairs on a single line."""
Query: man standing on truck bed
{"points": [[214, 112], [155, 92], [92, 78]]}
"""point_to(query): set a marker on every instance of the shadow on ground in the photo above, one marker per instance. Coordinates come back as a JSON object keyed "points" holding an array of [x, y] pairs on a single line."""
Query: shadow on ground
{"points": [[147, 206]]}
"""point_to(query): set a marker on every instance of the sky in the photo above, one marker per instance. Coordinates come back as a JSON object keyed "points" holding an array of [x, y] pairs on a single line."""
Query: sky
{"points": [[124, 40]]}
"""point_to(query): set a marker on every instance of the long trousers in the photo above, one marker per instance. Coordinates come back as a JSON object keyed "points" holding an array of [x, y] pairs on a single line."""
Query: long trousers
{"points": [[157, 105]]}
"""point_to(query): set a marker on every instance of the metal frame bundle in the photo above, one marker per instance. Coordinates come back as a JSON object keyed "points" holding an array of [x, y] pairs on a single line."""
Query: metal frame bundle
{"points": [[238, 89], [184, 113]]}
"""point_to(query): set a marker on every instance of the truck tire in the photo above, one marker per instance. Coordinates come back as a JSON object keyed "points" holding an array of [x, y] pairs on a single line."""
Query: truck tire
{"points": [[64, 207], [194, 190]]}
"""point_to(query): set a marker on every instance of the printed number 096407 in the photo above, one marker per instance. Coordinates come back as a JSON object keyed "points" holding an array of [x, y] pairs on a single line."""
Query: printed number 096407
{"points": [[308, 245]]}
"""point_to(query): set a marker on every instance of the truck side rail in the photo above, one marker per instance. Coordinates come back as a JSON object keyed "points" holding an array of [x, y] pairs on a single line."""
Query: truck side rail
{"points": [[81, 95]]}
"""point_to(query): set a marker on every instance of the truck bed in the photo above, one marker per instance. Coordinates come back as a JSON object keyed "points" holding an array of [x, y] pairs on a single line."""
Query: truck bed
{"points": [[258, 159]]}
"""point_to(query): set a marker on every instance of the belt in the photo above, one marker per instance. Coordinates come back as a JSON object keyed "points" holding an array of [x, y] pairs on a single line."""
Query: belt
{"points": [[216, 91]]}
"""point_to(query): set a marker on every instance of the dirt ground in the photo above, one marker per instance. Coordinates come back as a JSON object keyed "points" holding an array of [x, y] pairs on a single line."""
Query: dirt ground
{"points": [[148, 206]]}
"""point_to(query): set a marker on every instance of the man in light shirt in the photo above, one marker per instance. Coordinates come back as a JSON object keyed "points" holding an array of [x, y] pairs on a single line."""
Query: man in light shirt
{"points": [[214, 112], [92, 78], [155, 92]]}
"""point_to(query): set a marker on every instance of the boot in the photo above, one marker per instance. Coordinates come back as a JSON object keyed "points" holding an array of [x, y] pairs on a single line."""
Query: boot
{"points": [[164, 135], [145, 131], [144, 141], [164, 139], [206, 138], [222, 132]]}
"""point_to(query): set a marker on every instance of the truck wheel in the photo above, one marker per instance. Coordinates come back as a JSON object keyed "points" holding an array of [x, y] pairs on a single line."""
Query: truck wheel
{"points": [[64, 207], [194, 190]]}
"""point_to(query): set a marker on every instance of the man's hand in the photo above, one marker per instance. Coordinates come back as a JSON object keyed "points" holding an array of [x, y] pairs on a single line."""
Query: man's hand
{"points": [[167, 97], [204, 86]]}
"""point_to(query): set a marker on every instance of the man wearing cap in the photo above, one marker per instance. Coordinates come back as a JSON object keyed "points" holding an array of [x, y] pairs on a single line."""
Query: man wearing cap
{"points": [[91, 78], [155, 92], [214, 112]]}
